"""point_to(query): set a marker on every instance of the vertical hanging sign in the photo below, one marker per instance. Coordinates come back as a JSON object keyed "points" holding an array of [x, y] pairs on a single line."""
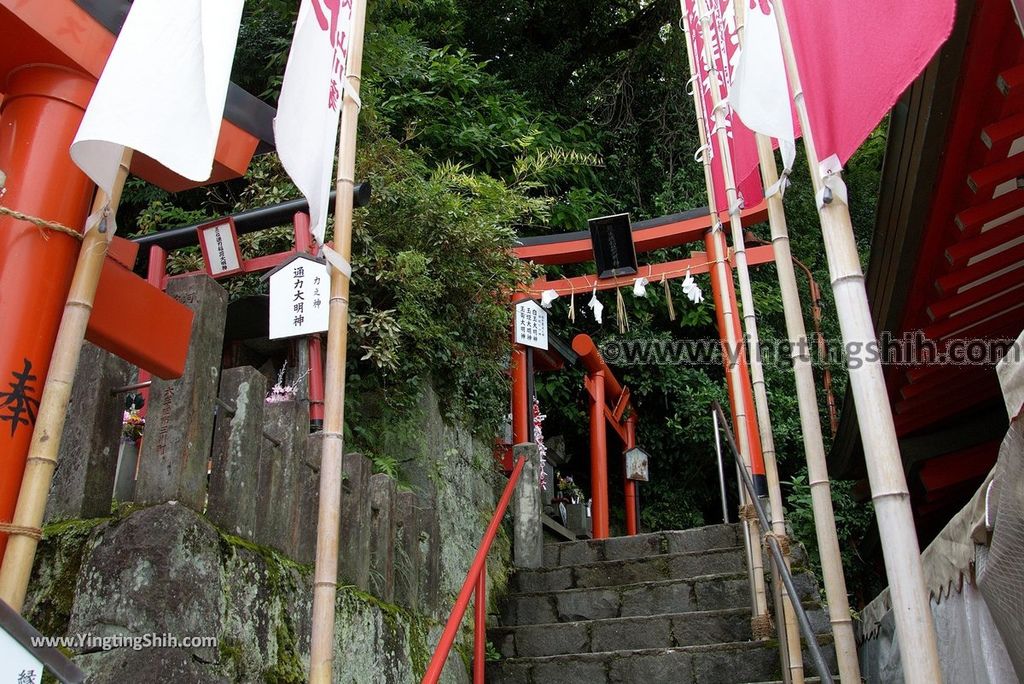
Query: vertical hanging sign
{"points": [[219, 243], [299, 294], [531, 325]]}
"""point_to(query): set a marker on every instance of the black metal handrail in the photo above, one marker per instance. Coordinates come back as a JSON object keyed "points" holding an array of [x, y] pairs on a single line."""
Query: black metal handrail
{"points": [[776, 554]]}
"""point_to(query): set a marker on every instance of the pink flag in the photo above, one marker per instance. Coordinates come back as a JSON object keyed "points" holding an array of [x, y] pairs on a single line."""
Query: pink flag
{"points": [[856, 57], [721, 56]]}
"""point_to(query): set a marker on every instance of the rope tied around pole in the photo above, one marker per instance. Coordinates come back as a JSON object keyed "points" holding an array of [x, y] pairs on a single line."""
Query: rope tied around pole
{"points": [[761, 627], [747, 512], [21, 530], [41, 224], [782, 539]]}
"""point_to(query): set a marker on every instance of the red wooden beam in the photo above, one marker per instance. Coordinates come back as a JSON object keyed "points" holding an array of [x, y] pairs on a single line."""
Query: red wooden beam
{"points": [[970, 221], [937, 411], [984, 181], [962, 252], [139, 323], [697, 264], [983, 313], [998, 137], [674, 234], [1009, 259], [1008, 282], [959, 467], [1011, 84]]}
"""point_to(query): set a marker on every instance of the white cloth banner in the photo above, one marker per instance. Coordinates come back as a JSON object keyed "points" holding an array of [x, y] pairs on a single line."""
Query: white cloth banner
{"points": [[760, 91], [163, 89], [306, 127]]}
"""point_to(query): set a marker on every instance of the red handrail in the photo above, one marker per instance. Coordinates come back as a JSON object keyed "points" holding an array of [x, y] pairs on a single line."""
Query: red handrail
{"points": [[473, 578]]}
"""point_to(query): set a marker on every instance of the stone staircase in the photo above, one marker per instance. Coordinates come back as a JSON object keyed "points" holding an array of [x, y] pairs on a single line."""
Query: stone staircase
{"points": [[670, 607]]}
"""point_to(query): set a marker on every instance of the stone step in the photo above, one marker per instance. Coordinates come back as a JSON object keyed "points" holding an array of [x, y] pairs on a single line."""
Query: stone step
{"points": [[611, 634], [649, 631], [655, 567], [679, 595], [725, 663], [709, 592], [641, 545]]}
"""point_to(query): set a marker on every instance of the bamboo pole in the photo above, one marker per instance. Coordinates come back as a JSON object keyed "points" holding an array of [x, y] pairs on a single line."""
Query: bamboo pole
{"points": [[900, 549], [325, 574], [810, 420], [717, 257], [44, 447], [795, 658]]}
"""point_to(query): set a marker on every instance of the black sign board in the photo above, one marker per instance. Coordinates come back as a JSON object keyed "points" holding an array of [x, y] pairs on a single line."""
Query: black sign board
{"points": [[612, 238]]}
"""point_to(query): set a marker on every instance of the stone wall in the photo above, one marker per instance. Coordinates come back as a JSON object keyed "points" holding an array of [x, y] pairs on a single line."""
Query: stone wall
{"points": [[167, 569]]}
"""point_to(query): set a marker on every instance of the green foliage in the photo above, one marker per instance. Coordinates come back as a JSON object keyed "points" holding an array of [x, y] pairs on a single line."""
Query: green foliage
{"points": [[853, 520]]}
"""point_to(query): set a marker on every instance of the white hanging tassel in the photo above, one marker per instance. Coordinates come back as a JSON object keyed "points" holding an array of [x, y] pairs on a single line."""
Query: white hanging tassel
{"points": [[691, 289], [596, 305], [572, 306], [546, 297], [640, 287]]}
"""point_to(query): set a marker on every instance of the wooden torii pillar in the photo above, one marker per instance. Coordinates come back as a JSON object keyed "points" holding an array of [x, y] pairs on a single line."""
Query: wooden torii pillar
{"points": [[51, 54]]}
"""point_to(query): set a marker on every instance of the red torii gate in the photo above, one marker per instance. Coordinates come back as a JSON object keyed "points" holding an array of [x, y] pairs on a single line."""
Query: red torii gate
{"points": [[670, 231], [51, 54]]}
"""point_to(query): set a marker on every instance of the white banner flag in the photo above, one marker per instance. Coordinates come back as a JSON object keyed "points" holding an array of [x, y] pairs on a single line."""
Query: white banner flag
{"points": [[760, 91], [163, 89], [306, 126]]}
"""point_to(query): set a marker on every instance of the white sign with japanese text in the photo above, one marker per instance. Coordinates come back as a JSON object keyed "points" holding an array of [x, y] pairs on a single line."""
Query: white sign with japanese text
{"points": [[17, 664], [531, 325], [299, 298], [220, 249]]}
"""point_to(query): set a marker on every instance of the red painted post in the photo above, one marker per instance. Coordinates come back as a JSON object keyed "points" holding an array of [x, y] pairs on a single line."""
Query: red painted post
{"points": [[631, 505], [521, 411], [743, 395], [41, 111], [480, 627], [598, 456], [304, 243]]}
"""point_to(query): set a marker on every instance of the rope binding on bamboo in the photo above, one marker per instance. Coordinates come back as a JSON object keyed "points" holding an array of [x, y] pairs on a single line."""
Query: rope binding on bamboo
{"points": [[761, 627], [21, 530]]}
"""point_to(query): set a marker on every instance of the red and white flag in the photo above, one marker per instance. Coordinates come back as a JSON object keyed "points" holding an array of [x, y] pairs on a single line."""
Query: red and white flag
{"points": [[760, 90], [306, 126], [163, 89], [855, 59], [721, 55]]}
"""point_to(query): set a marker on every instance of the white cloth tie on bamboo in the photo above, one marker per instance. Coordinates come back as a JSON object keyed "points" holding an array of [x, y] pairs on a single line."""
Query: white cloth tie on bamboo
{"points": [[721, 120], [546, 297], [788, 149], [337, 261], [640, 287], [699, 155], [832, 185], [103, 219], [596, 306], [737, 204]]}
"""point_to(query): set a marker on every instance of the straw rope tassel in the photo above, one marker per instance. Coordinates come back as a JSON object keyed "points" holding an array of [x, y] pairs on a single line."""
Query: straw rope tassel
{"points": [[668, 299], [620, 311]]}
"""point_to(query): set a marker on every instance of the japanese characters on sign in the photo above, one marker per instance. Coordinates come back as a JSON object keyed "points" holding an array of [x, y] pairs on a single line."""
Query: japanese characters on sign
{"points": [[637, 465], [299, 297], [219, 243], [17, 664], [531, 325]]}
